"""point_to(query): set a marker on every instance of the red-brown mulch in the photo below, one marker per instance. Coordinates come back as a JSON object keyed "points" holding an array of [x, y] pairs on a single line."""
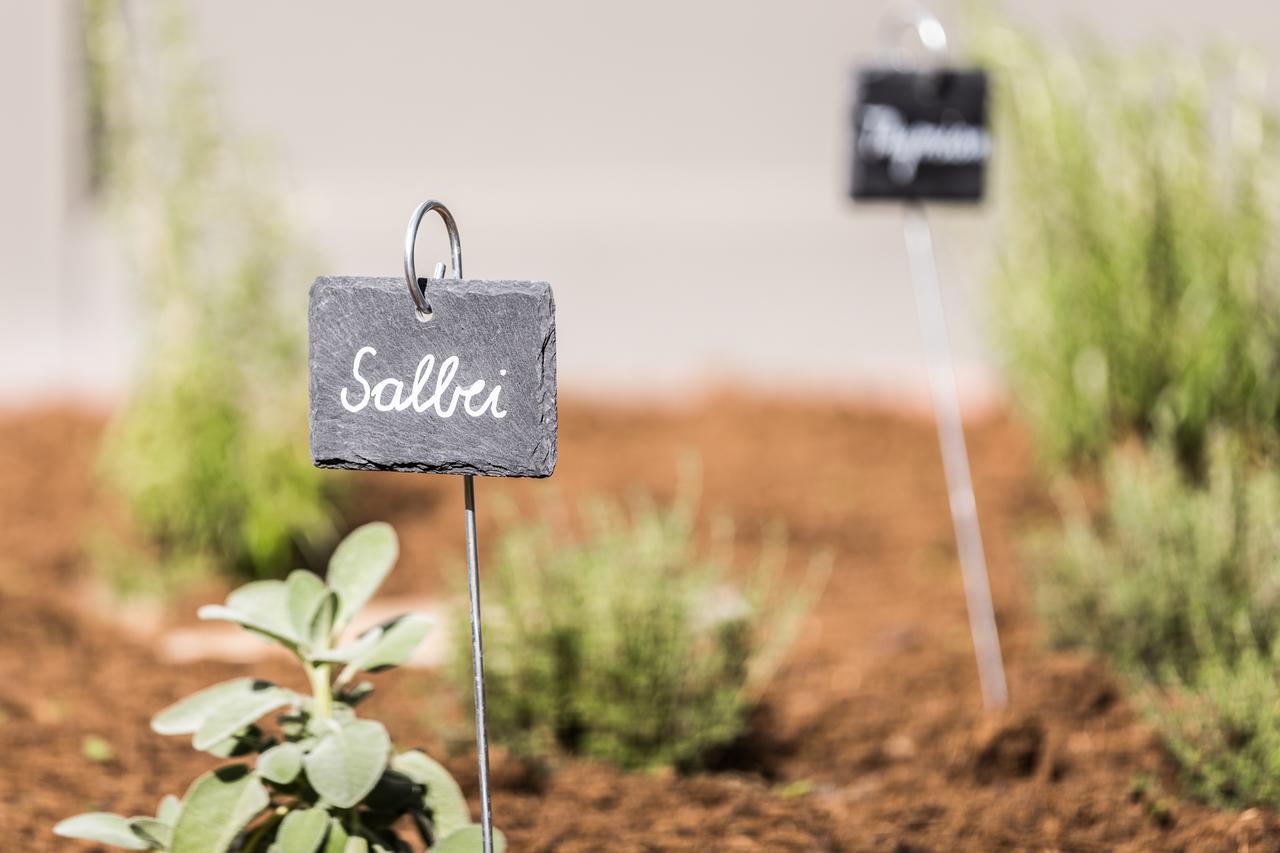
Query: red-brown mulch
{"points": [[873, 738]]}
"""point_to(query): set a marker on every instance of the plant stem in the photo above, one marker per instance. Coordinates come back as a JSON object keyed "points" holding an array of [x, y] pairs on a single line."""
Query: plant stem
{"points": [[252, 844], [321, 690]]}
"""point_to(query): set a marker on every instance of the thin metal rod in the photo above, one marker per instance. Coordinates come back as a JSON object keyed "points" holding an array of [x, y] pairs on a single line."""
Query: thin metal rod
{"points": [[955, 456], [477, 660]]}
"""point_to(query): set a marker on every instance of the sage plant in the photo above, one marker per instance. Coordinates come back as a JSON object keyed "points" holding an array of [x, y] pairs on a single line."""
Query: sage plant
{"points": [[321, 779]]}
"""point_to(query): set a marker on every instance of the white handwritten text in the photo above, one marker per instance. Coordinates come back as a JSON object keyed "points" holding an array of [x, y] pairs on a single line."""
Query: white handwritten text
{"points": [[388, 395]]}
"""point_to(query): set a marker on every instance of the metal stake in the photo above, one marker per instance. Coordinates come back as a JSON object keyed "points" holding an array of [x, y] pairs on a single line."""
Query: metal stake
{"points": [[955, 457], [477, 660], [469, 502]]}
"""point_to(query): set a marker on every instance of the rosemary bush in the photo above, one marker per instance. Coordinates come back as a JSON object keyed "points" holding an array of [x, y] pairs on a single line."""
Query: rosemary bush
{"points": [[629, 643], [209, 451], [1136, 306], [1136, 292], [323, 779], [1178, 584], [1175, 574], [1223, 727]]}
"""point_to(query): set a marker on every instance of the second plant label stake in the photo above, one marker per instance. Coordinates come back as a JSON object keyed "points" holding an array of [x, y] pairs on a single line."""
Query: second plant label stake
{"points": [[457, 378], [921, 135]]}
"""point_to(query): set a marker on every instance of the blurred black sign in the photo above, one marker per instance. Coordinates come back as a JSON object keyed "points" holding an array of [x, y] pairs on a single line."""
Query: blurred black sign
{"points": [[920, 135]]}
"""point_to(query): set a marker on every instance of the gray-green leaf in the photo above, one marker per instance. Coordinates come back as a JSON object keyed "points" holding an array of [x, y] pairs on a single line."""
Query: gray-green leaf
{"points": [[444, 799], [336, 842], [396, 644], [217, 806], [266, 604], [169, 810], [187, 715], [158, 833], [303, 831], [222, 613], [363, 645], [469, 839], [348, 761], [322, 624], [356, 845], [239, 712], [306, 593], [281, 763], [104, 828], [359, 565]]}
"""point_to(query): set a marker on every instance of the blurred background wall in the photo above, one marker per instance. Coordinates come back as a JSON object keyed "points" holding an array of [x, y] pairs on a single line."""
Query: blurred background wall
{"points": [[677, 170]]}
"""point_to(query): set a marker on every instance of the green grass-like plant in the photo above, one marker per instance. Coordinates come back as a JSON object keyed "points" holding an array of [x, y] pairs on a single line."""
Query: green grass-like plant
{"points": [[1137, 291], [209, 453], [628, 642], [1177, 582], [1136, 310], [1223, 727], [322, 779], [1175, 573]]}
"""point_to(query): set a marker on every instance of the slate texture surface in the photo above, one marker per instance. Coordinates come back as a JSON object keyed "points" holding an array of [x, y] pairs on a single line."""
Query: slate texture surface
{"points": [[929, 101], [502, 333]]}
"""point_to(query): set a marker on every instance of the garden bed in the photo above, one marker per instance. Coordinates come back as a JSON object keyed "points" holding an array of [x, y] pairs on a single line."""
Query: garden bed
{"points": [[872, 738]]}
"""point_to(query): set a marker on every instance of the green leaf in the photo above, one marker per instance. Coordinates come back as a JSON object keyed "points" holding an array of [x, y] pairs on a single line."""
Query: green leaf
{"points": [[348, 761], [356, 845], [322, 624], [359, 565], [336, 842], [188, 715], [160, 834], [244, 742], [239, 712], [355, 694], [363, 645], [104, 828], [397, 642], [217, 806], [169, 810], [469, 839], [281, 763], [303, 831], [222, 613], [266, 604], [443, 799], [306, 592]]}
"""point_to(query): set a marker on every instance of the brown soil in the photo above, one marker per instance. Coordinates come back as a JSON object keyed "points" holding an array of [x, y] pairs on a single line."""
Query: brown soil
{"points": [[872, 739]]}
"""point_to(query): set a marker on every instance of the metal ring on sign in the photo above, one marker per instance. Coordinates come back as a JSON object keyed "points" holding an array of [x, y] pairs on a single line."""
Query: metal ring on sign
{"points": [[922, 23], [411, 238]]}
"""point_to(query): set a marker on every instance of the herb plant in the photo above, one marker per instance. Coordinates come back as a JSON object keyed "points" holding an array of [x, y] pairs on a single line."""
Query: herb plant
{"points": [[1174, 574], [323, 779], [1177, 583], [630, 640], [208, 453], [1137, 292]]}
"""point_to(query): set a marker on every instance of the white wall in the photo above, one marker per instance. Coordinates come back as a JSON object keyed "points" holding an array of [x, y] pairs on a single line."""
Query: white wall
{"points": [[675, 169], [33, 193]]}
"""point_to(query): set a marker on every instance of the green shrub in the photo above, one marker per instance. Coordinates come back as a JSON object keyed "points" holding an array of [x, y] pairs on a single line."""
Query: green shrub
{"points": [[1175, 573], [1223, 727], [629, 642], [1136, 291], [209, 454], [1178, 584], [1137, 299], [323, 779]]}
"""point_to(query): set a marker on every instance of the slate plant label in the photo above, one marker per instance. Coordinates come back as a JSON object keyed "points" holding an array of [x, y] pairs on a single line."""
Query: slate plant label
{"points": [[920, 135], [472, 390]]}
